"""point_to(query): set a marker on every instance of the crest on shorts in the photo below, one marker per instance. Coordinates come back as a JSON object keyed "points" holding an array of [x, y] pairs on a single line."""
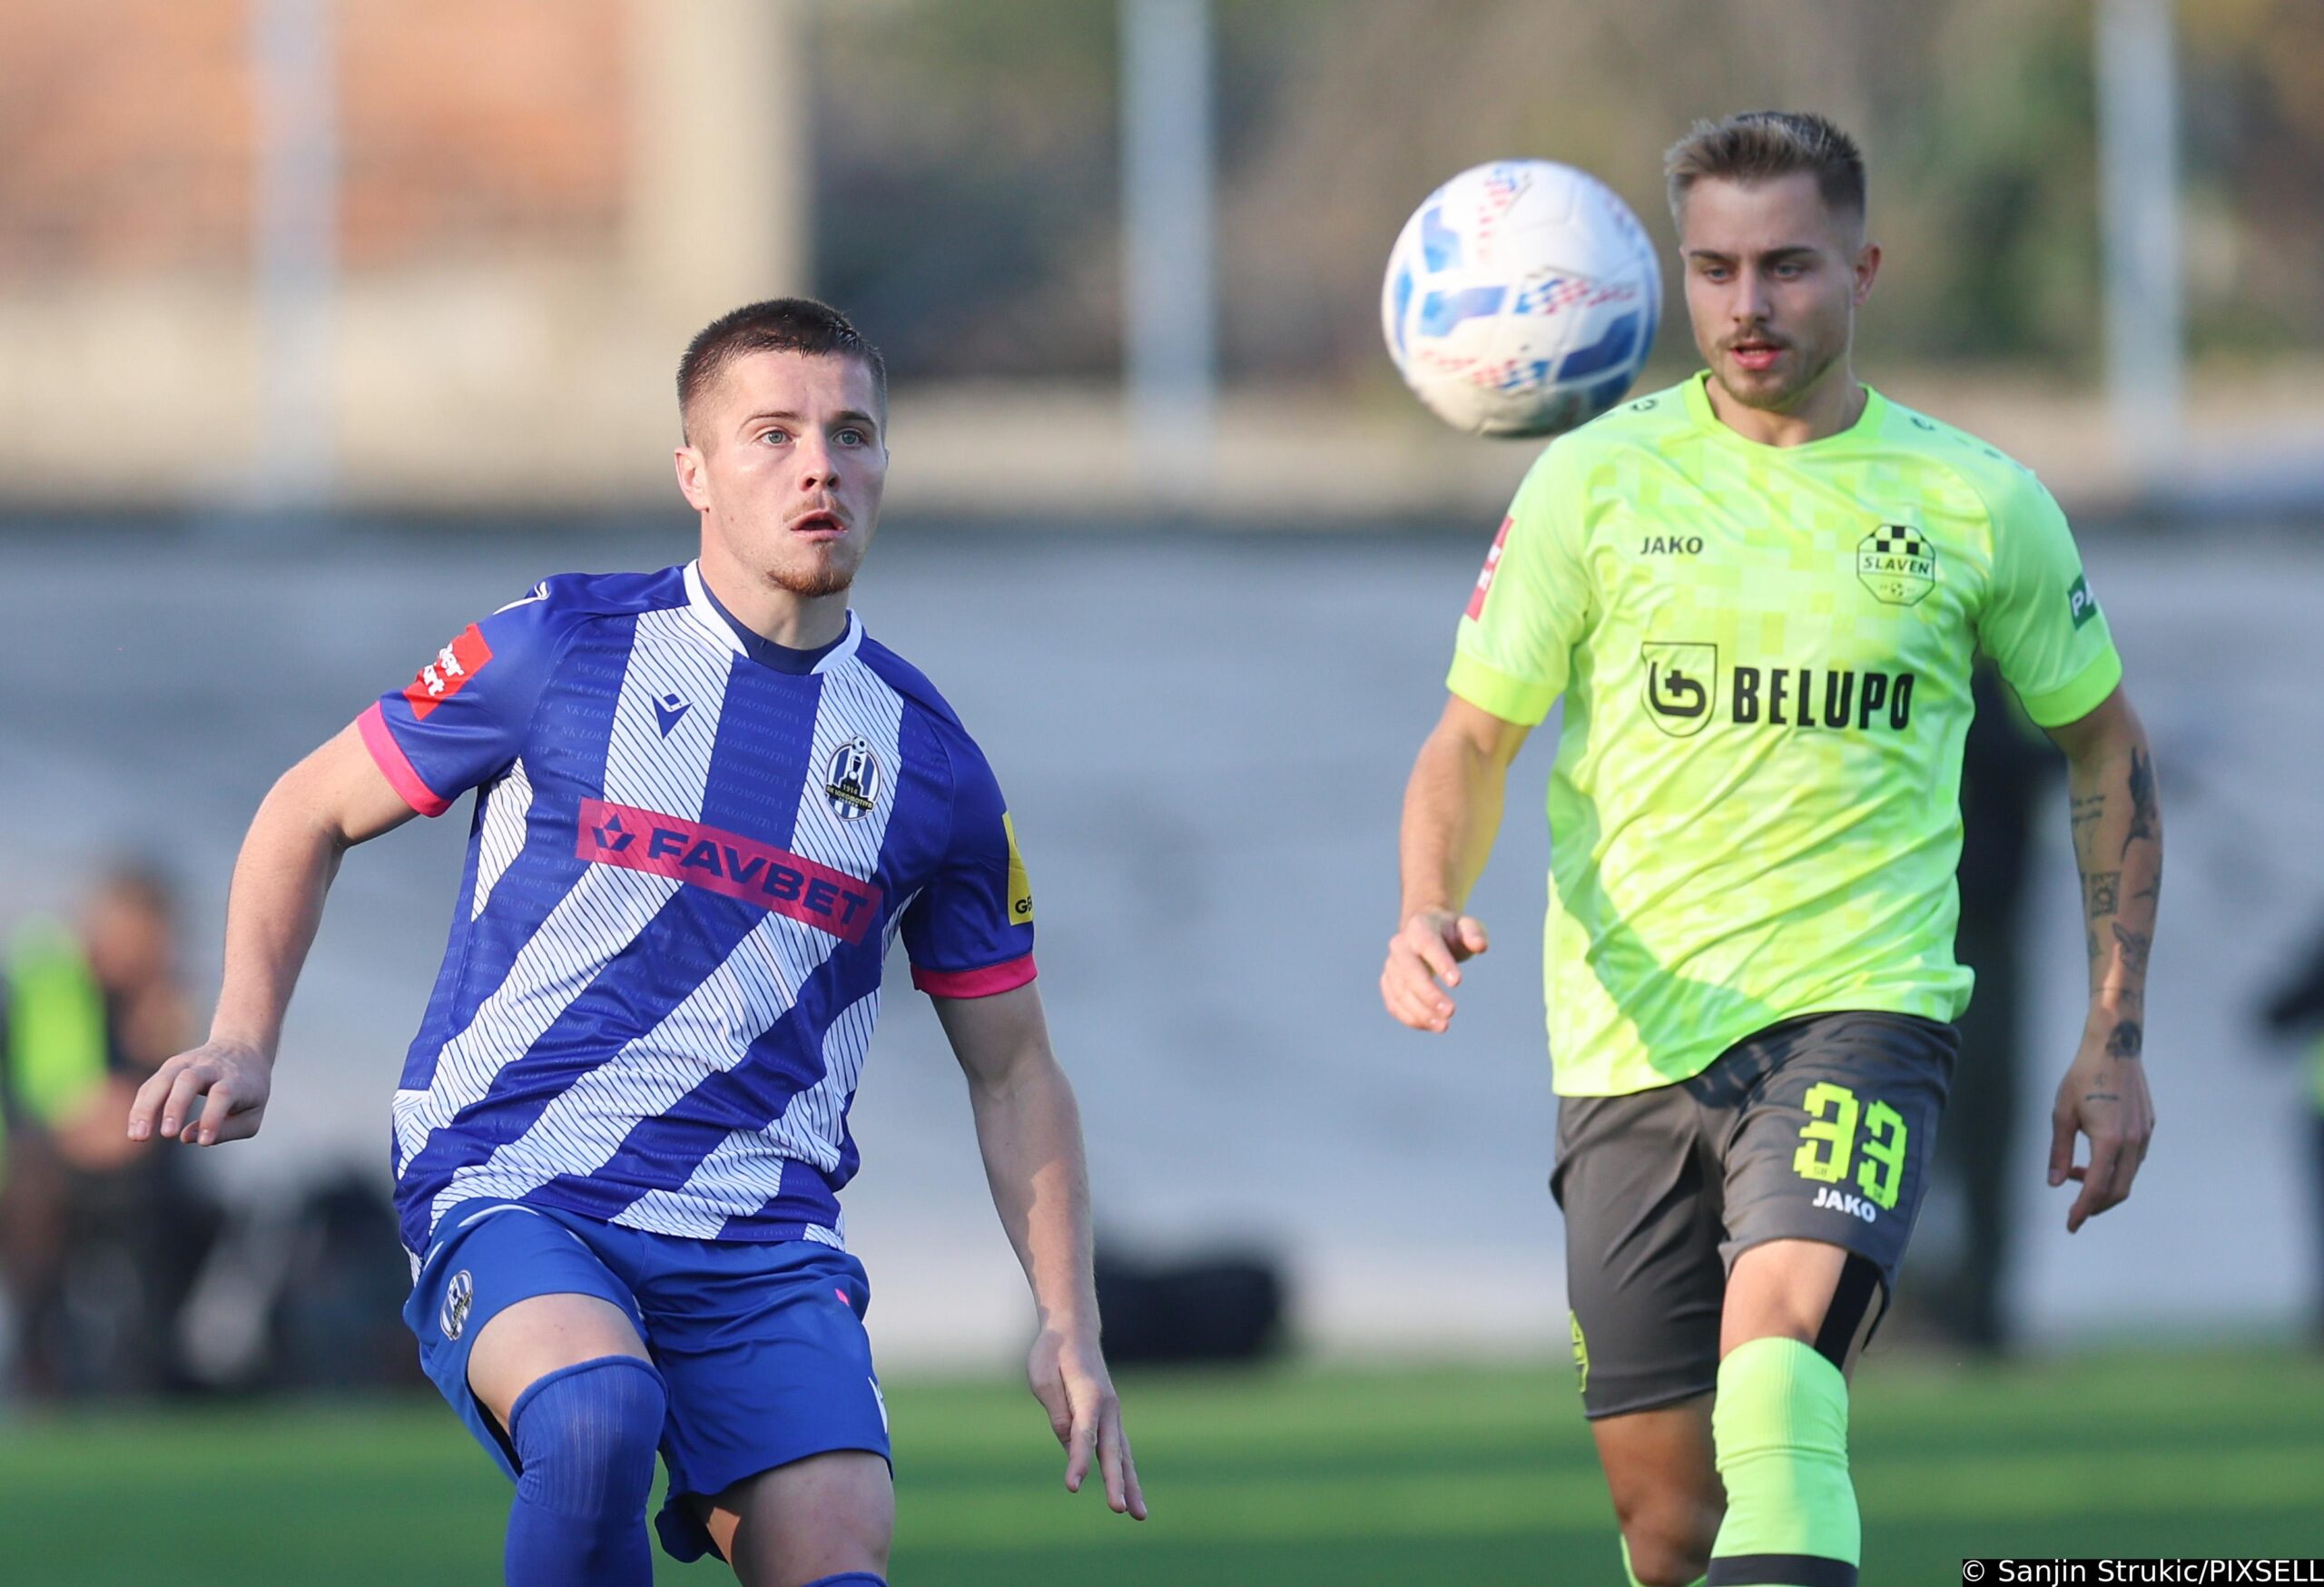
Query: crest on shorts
{"points": [[851, 781], [459, 1296], [1581, 1353]]}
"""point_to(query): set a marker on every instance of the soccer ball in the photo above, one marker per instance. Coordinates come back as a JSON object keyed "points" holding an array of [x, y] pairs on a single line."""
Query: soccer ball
{"points": [[1521, 299]]}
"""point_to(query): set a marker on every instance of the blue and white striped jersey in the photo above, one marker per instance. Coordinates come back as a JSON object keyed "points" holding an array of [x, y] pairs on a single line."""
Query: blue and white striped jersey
{"points": [[690, 852]]}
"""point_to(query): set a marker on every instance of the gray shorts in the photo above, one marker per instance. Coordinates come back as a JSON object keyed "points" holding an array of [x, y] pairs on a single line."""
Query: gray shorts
{"points": [[1821, 1127]]}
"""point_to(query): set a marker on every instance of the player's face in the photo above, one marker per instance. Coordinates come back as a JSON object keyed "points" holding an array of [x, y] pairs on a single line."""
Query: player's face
{"points": [[1774, 279], [788, 456]]}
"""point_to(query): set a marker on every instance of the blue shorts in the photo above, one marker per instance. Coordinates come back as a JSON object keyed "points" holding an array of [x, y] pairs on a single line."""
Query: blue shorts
{"points": [[761, 1346]]}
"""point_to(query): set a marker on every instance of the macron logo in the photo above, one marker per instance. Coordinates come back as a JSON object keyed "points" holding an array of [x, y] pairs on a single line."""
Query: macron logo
{"points": [[667, 710], [775, 880]]}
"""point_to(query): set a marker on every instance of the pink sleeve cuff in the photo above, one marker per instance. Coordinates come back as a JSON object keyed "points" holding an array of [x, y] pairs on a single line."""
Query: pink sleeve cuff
{"points": [[397, 765], [989, 981]]}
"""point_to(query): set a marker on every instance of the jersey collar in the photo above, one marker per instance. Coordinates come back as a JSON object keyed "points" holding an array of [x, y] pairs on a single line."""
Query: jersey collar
{"points": [[1868, 423], [730, 632]]}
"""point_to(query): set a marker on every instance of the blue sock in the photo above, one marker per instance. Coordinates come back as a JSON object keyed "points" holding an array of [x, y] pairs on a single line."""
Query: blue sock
{"points": [[585, 1437]]}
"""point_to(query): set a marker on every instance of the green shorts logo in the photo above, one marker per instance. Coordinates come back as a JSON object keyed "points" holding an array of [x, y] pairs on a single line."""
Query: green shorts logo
{"points": [[2081, 602], [1581, 1353]]}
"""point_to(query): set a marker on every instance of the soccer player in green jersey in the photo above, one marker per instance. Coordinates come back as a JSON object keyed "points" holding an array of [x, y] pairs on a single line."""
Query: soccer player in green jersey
{"points": [[1759, 594]]}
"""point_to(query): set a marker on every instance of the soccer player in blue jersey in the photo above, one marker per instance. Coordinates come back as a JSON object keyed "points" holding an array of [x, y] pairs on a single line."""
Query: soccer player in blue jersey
{"points": [[706, 803]]}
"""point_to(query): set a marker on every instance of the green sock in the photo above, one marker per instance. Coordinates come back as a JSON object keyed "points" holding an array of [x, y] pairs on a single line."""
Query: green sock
{"points": [[1780, 1425], [1631, 1576]]}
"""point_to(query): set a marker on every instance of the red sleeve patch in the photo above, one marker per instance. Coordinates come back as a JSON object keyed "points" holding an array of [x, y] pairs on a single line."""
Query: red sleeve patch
{"points": [[449, 673], [1484, 577]]}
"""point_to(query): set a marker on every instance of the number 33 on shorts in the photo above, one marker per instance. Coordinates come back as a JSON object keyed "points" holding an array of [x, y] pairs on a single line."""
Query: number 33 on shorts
{"points": [[1842, 1133]]}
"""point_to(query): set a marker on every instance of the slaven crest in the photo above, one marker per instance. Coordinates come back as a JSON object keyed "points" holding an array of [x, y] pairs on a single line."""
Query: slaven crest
{"points": [[1896, 563]]}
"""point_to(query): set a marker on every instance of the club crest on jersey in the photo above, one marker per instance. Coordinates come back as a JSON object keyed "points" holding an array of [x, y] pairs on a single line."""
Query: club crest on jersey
{"points": [[459, 1296], [851, 785], [1896, 563], [1681, 682]]}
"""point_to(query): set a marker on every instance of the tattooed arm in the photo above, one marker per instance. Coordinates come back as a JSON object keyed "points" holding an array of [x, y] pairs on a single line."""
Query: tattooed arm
{"points": [[2118, 848]]}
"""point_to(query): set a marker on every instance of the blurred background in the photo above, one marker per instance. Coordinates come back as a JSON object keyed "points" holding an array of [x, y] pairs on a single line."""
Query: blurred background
{"points": [[327, 325]]}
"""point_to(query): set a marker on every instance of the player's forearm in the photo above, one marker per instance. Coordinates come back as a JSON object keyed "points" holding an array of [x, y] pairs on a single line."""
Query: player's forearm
{"points": [[2117, 818], [1452, 814], [1028, 1128], [276, 903]]}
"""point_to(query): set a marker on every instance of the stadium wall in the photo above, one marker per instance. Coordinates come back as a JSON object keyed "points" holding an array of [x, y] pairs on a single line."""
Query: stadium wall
{"points": [[1204, 741]]}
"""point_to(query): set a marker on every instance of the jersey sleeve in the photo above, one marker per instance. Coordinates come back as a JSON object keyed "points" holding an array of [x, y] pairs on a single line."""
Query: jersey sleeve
{"points": [[462, 719], [969, 932], [2039, 622], [1531, 601]]}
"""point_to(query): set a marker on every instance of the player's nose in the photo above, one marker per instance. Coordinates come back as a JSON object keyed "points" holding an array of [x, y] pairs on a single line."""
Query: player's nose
{"points": [[818, 461]]}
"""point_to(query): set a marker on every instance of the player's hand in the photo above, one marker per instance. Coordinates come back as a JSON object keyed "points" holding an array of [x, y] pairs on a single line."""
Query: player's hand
{"points": [[1068, 1376], [2103, 1097], [1424, 965], [215, 1093]]}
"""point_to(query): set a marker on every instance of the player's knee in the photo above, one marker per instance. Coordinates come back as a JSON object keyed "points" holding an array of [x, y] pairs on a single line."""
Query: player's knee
{"points": [[585, 1436], [1669, 1544], [1668, 1502]]}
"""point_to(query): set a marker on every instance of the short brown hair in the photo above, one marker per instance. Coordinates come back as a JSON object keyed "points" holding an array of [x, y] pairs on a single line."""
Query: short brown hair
{"points": [[1754, 146], [799, 325]]}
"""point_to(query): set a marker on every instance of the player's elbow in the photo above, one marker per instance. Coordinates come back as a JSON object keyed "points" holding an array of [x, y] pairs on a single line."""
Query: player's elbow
{"points": [[1023, 1098], [1019, 1075]]}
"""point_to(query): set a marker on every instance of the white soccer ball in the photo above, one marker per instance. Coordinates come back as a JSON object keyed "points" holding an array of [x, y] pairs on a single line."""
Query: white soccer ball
{"points": [[1521, 299]]}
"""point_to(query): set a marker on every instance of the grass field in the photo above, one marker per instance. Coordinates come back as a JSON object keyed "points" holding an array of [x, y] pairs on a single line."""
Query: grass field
{"points": [[1340, 1477]]}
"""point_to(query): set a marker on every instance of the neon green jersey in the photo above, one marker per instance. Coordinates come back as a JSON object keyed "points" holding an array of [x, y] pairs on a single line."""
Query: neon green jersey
{"points": [[1765, 654]]}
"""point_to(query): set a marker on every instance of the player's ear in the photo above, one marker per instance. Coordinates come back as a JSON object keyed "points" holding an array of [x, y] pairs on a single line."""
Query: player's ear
{"points": [[692, 484], [1867, 266]]}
